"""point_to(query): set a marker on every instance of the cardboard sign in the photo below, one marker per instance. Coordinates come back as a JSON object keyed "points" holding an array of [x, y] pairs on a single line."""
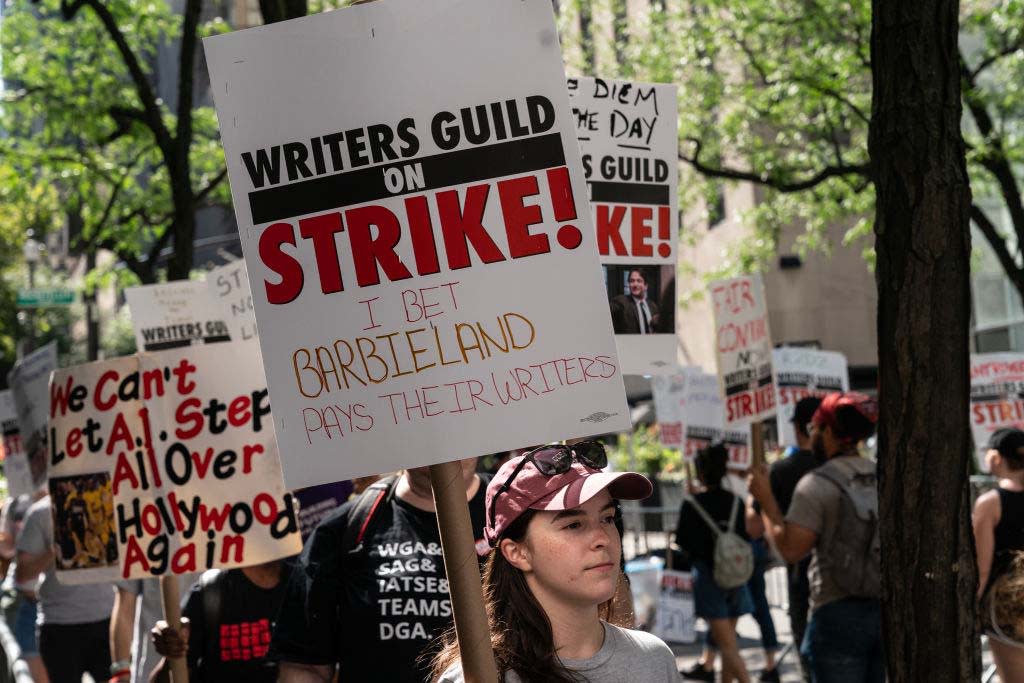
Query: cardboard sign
{"points": [[166, 463], [175, 314], [229, 287], [415, 229], [676, 619], [997, 397], [704, 421], [29, 380], [800, 373], [15, 462], [628, 135], [668, 407], [743, 347]]}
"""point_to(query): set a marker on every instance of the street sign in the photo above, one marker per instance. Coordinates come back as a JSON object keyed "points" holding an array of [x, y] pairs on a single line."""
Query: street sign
{"points": [[41, 298]]}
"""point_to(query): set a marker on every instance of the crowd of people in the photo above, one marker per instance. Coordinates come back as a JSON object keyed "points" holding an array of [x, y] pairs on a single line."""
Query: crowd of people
{"points": [[367, 600]]}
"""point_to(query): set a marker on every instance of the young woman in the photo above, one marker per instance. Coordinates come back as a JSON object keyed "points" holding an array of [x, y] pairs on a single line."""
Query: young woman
{"points": [[999, 534], [554, 562], [719, 607]]}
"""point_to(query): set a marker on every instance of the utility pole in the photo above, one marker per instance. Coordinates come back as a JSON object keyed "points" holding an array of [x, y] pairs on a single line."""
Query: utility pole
{"points": [[31, 253]]}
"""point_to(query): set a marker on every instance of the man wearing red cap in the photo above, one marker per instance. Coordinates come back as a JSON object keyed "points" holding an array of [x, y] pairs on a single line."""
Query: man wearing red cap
{"points": [[834, 513]]}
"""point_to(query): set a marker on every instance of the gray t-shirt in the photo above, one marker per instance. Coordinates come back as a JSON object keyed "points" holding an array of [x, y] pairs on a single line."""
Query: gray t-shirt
{"points": [[148, 610], [816, 507], [625, 656], [59, 603]]}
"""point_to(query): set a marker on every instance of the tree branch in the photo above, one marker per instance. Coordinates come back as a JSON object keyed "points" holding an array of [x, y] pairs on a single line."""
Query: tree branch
{"points": [[991, 59], [159, 243], [994, 162], [217, 180], [998, 244], [186, 71], [774, 182], [153, 119]]}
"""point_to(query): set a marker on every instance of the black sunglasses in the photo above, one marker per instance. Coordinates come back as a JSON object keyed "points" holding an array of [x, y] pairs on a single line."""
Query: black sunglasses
{"points": [[552, 460]]}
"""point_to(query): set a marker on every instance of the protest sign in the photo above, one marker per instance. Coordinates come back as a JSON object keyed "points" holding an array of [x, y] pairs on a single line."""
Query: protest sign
{"points": [[997, 397], [15, 462], [704, 420], [316, 502], [175, 314], [743, 347], [166, 463], [668, 408], [675, 619], [428, 266], [29, 379], [799, 373], [229, 287], [628, 136]]}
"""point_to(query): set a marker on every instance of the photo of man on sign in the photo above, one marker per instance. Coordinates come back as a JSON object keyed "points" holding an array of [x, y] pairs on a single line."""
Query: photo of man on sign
{"points": [[641, 298]]}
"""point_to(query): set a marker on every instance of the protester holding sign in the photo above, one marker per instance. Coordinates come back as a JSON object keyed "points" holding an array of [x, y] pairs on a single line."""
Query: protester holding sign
{"points": [[834, 513], [371, 592], [998, 537], [784, 475], [227, 619], [702, 520], [554, 562], [138, 607]]}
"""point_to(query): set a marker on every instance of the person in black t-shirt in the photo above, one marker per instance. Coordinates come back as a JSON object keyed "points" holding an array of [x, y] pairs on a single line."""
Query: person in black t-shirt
{"points": [[783, 476], [719, 607], [372, 610], [998, 522], [226, 621]]}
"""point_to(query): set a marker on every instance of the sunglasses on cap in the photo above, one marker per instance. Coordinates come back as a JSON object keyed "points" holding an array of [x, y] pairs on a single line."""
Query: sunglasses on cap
{"points": [[554, 460]]}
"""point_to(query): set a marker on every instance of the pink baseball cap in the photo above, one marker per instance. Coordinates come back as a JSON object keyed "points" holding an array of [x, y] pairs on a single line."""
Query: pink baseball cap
{"points": [[531, 489]]}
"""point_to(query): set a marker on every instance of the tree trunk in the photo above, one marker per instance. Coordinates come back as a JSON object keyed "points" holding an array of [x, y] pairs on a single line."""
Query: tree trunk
{"points": [[923, 249], [587, 37]]}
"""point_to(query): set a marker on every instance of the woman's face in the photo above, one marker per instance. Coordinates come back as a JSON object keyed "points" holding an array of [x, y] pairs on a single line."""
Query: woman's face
{"points": [[573, 555]]}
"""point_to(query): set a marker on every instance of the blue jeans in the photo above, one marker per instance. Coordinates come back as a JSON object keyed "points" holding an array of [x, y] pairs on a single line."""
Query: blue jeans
{"points": [[843, 642], [762, 613]]}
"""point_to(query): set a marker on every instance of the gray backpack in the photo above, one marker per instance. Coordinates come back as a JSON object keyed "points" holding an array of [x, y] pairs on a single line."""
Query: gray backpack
{"points": [[853, 558], [733, 556]]}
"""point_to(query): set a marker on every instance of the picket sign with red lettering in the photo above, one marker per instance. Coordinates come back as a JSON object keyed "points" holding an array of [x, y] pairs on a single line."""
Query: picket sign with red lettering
{"points": [[628, 135], [799, 373], [166, 463], [704, 420], [415, 229], [15, 462], [171, 315], [997, 397], [743, 347]]}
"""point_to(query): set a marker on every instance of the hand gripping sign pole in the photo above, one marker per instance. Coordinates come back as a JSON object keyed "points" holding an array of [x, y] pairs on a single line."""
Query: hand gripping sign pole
{"points": [[757, 443], [463, 572], [171, 597]]}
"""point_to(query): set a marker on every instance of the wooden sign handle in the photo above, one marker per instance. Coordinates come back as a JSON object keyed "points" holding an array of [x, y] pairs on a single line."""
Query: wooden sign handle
{"points": [[171, 598], [460, 563], [757, 443]]}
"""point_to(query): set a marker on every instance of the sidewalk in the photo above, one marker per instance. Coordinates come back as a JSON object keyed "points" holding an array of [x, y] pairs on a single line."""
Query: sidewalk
{"points": [[750, 648], [746, 627]]}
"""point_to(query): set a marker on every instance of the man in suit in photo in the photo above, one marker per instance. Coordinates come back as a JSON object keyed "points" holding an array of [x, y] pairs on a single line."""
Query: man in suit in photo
{"points": [[634, 313]]}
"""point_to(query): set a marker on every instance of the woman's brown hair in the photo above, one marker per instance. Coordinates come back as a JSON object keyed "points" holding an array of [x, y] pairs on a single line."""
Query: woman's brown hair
{"points": [[521, 635]]}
